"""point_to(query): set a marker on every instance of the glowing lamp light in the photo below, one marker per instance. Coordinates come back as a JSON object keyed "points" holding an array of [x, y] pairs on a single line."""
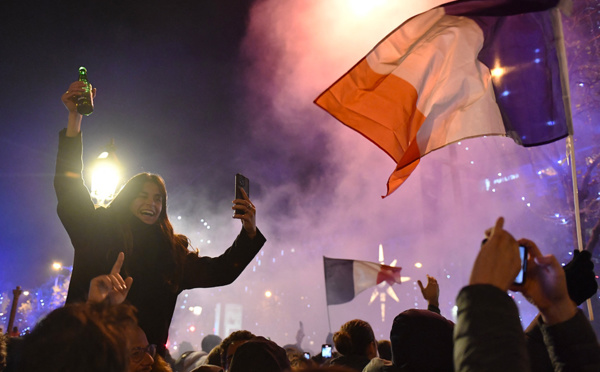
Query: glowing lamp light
{"points": [[56, 266], [418, 265], [192, 329], [106, 175], [197, 310], [498, 72], [268, 294], [25, 293], [105, 179]]}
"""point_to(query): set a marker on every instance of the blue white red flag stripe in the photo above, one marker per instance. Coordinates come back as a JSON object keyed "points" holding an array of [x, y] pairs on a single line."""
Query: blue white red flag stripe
{"points": [[344, 279], [466, 69]]}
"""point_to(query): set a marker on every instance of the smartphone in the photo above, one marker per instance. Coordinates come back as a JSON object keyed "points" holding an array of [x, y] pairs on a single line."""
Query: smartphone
{"points": [[326, 351], [244, 183], [520, 279]]}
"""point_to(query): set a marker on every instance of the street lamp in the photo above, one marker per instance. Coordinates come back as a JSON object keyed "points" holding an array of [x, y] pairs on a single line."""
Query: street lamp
{"points": [[59, 290], [106, 174]]}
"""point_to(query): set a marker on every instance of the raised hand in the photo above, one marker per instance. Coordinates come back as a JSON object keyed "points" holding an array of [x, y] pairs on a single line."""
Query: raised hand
{"points": [[546, 286], [431, 293], [112, 285], [75, 90], [498, 261], [249, 217]]}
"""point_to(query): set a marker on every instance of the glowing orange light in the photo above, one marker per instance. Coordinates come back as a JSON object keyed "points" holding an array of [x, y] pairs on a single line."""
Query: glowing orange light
{"points": [[56, 265], [498, 72]]}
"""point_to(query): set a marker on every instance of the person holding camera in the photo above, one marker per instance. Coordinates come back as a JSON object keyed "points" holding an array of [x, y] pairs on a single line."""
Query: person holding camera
{"points": [[136, 223], [488, 334]]}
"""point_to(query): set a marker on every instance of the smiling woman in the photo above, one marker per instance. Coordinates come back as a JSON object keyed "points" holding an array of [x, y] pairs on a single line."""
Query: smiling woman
{"points": [[136, 223]]}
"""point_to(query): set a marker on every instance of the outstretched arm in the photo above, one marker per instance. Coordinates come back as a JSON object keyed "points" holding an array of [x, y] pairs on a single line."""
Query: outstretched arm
{"points": [[567, 335], [488, 334]]}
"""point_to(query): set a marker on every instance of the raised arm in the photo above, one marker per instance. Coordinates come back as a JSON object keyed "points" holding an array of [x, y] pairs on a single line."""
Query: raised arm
{"points": [[74, 202], [567, 335]]}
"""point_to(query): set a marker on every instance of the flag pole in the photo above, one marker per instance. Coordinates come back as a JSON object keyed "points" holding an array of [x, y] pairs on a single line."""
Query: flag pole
{"points": [[326, 303], [564, 80], [328, 319]]}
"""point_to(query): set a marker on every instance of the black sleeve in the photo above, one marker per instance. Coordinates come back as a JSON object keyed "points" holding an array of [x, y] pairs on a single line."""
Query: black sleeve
{"points": [[434, 308], [204, 272], [488, 334], [75, 205], [572, 345]]}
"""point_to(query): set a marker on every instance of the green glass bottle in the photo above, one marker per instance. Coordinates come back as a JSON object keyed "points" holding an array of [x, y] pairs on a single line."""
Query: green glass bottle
{"points": [[85, 102]]}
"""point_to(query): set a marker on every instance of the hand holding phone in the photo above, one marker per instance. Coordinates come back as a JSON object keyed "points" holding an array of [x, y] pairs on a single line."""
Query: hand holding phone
{"points": [[243, 208], [326, 351], [241, 183], [520, 279]]}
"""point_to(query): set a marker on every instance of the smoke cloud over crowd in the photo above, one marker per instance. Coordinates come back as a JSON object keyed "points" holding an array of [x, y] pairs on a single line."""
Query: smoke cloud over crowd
{"points": [[318, 184], [200, 91]]}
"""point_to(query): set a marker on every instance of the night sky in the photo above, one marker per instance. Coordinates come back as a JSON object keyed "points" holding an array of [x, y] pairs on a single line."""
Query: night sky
{"points": [[197, 91]]}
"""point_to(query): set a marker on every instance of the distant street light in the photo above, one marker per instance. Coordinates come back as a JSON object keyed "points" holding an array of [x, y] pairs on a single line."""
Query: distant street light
{"points": [[106, 174]]}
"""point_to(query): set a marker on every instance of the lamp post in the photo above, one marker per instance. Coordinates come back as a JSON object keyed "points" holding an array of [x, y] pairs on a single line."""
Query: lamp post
{"points": [[13, 309], [106, 174]]}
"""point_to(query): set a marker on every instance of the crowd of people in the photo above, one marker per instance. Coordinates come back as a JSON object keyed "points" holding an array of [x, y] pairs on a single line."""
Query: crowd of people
{"points": [[129, 267], [102, 334]]}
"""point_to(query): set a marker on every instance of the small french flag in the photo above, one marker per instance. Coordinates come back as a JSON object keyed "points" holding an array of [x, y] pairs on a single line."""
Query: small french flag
{"points": [[344, 279]]}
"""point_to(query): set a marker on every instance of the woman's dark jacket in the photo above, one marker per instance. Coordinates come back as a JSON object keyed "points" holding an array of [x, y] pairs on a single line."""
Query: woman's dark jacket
{"points": [[97, 238]]}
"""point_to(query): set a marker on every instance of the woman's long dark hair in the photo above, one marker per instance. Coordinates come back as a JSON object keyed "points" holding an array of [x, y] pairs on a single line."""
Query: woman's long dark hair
{"points": [[119, 207]]}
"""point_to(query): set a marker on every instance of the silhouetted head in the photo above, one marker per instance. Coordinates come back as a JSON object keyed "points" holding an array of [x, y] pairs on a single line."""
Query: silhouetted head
{"points": [[79, 337], [356, 337], [422, 341]]}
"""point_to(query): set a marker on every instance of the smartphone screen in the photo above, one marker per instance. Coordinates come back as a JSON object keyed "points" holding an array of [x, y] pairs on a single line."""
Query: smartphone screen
{"points": [[244, 183], [520, 279], [326, 351]]}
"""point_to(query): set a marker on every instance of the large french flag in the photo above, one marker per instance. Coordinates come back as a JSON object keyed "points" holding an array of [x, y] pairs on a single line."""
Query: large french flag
{"points": [[465, 69], [344, 279]]}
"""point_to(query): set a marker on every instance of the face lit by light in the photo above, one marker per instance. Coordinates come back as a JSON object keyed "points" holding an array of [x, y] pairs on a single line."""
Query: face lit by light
{"points": [[148, 203]]}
